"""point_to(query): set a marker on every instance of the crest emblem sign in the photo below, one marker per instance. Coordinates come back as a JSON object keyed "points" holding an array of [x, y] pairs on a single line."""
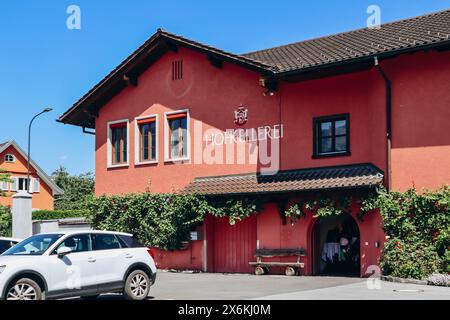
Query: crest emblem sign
{"points": [[241, 115]]}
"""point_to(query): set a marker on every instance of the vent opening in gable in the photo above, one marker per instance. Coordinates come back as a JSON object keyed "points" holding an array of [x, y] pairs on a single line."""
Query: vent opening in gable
{"points": [[177, 70]]}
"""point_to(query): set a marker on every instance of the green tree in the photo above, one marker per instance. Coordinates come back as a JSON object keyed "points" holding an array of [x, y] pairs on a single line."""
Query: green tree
{"points": [[4, 177], [5, 222], [78, 189]]}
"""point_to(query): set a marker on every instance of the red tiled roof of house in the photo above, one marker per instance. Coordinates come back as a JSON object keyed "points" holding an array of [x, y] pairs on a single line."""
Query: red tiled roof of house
{"points": [[390, 37], [361, 45]]}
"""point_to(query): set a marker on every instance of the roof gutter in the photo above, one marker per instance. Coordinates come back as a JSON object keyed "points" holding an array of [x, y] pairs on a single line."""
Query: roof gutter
{"points": [[388, 90]]}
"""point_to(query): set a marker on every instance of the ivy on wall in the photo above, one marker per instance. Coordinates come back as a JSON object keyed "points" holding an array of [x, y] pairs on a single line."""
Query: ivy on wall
{"points": [[164, 220], [417, 224], [235, 208], [418, 230], [160, 220], [320, 207]]}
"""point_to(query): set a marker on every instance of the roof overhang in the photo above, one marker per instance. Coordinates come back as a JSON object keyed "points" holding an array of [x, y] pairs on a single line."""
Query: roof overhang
{"points": [[290, 181], [85, 110]]}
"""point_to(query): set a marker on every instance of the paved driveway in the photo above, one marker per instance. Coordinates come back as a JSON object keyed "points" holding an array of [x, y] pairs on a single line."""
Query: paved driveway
{"points": [[207, 286]]}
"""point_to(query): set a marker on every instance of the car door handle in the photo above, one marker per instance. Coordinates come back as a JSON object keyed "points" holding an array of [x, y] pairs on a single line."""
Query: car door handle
{"points": [[128, 256], [91, 260]]}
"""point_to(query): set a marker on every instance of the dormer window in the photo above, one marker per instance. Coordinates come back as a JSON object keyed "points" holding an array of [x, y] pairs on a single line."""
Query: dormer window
{"points": [[10, 158]]}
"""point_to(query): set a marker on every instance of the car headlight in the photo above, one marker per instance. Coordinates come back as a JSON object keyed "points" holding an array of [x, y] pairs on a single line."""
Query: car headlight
{"points": [[2, 268]]}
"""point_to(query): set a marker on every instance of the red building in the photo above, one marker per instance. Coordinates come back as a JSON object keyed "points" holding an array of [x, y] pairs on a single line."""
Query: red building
{"points": [[336, 115]]}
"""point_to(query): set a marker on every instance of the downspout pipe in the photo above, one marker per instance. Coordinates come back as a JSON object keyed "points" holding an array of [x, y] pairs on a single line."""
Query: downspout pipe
{"points": [[388, 88]]}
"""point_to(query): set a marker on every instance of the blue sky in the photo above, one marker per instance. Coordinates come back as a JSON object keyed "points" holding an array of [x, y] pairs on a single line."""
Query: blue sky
{"points": [[45, 64]]}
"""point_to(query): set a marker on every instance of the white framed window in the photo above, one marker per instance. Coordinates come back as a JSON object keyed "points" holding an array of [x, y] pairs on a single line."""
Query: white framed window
{"points": [[177, 138], [20, 184], [10, 158], [146, 139], [118, 147]]}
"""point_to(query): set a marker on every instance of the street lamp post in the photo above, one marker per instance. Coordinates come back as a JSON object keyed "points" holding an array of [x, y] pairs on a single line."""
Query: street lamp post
{"points": [[29, 141]]}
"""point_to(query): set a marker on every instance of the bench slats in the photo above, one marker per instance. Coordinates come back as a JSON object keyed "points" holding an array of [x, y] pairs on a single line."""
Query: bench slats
{"points": [[278, 264], [286, 252], [280, 252]]}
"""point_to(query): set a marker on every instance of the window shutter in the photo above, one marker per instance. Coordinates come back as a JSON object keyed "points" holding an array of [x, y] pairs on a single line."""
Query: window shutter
{"points": [[31, 186], [14, 184], [4, 186], [36, 185]]}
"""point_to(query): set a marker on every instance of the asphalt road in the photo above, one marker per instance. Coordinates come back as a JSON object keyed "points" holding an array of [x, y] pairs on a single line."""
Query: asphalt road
{"points": [[207, 286]]}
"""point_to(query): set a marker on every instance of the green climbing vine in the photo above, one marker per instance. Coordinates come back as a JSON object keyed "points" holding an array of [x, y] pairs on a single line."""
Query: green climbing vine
{"points": [[235, 208], [319, 207], [417, 224], [165, 220]]}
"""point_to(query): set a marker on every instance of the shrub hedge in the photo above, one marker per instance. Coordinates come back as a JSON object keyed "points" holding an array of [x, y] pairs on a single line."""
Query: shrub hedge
{"points": [[58, 214], [6, 218]]}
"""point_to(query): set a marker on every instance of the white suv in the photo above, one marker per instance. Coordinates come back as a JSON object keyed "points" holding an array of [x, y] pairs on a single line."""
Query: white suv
{"points": [[76, 263]]}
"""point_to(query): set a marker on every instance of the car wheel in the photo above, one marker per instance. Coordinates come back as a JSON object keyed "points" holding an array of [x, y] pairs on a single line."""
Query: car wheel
{"points": [[24, 289], [137, 285]]}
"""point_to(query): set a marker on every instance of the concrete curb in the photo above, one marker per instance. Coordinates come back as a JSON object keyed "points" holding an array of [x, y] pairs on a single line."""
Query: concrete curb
{"points": [[402, 280]]}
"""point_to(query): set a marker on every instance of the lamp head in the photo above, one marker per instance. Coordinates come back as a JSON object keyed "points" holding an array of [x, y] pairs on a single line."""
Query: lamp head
{"points": [[47, 109]]}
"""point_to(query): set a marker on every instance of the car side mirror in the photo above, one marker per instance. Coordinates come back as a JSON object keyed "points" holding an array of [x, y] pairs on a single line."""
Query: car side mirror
{"points": [[63, 251]]}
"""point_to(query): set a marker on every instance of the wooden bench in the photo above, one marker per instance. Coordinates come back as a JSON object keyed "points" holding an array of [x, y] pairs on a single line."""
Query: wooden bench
{"points": [[262, 267]]}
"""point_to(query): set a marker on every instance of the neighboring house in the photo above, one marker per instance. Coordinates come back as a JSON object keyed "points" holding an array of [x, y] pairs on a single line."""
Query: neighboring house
{"points": [[13, 160], [354, 110]]}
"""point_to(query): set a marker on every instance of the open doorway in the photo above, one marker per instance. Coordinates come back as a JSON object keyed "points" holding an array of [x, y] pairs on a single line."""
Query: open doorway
{"points": [[336, 246]]}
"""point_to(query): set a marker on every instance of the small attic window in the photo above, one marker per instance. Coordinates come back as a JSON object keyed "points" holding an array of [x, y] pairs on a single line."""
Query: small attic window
{"points": [[177, 70], [10, 158]]}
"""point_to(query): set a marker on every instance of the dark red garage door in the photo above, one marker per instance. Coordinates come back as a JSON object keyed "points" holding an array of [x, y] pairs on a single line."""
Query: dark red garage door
{"points": [[234, 245]]}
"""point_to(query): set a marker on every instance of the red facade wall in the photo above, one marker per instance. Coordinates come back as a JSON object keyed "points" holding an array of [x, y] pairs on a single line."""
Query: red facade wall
{"points": [[420, 109], [189, 258], [213, 94], [420, 112], [420, 154]]}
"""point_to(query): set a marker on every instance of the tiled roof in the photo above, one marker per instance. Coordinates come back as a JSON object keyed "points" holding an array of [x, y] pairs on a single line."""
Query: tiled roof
{"points": [[394, 36], [301, 57], [350, 176]]}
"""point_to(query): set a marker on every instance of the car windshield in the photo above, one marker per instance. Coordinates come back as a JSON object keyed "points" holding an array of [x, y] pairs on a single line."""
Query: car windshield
{"points": [[33, 246]]}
